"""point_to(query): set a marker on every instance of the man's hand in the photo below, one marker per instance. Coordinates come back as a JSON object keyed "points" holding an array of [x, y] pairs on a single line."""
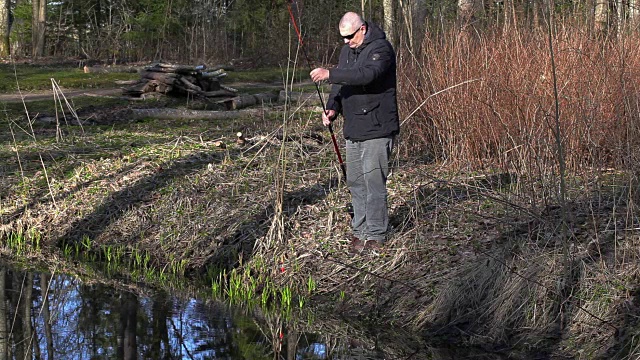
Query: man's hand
{"points": [[328, 116], [319, 74]]}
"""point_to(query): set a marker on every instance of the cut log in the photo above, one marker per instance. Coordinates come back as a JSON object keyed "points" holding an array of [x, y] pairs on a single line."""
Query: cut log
{"points": [[111, 69], [150, 86], [164, 88], [193, 114], [244, 101], [189, 78], [221, 66], [170, 68], [189, 85], [210, 84], [137, 89], [219, 93], [214, 74], [229, 88], [127, 82], [169, 79]]}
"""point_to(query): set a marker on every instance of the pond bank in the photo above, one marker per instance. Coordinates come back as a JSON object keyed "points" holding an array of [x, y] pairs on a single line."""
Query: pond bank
{"points": [[474, 259]]}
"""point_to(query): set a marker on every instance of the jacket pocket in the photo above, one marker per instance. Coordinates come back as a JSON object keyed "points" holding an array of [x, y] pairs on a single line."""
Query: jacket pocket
{"points": [[368, 111]]}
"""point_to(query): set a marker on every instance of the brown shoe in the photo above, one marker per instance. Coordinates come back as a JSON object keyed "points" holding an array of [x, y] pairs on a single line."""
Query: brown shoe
{"points": [[372, 245], [356, 245]]}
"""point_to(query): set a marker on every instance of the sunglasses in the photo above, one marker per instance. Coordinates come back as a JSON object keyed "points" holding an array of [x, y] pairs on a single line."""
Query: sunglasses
{"points": [[349, 37]]}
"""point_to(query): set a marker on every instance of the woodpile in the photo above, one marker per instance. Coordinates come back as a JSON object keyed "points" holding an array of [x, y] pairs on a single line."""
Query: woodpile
{"points": [[181, 80]]}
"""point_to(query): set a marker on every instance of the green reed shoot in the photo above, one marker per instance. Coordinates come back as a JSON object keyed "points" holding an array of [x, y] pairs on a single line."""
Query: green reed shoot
{"points": [[285, 297], [107, 250], [86, 242], [311, 285]]}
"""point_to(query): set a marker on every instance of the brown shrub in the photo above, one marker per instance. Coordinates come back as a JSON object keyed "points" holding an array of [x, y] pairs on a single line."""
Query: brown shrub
{"points": [[504, 115]]}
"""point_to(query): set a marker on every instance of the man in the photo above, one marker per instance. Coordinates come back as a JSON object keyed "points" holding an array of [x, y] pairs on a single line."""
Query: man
{"points": [[364, 92]]}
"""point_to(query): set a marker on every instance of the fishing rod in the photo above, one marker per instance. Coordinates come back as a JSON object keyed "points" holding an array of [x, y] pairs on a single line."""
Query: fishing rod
{"points": [[291, 5]]}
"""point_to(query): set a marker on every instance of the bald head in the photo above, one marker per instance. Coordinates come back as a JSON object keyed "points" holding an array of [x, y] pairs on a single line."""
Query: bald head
{"points": [[350, 22]]}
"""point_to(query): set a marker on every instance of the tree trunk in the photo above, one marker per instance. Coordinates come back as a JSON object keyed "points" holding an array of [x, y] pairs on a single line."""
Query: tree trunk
{"points": [[15, 305], [420, 20], [634, 11], [160, 332], [166, 78], [240, 102], [389, 20], [39, 26], [468, 15], [536, 14], [407, 17], [5, 11], [4, 335], [128, 346], [46, 314], [27, 328], [293, 337], [601, 17], [510, 17], [165, 113]]}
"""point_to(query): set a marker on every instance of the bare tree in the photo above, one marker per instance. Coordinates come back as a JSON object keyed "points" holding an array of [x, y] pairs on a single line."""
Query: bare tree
{"points": [[4, 334], [406, 8], [412, 15], [634, 14], [27, 328], [420, 19], [601, 16], [39, 27], [469, 12], [627, 14], [46, 314], [389, 20], [5, 11]]}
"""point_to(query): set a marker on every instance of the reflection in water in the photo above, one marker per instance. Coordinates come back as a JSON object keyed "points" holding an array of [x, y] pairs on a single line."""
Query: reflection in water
{"points": [[60, 317]]}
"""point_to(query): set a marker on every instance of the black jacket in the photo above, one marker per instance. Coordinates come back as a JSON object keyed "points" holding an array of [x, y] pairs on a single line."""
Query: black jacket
{"points": [[364, 88]]}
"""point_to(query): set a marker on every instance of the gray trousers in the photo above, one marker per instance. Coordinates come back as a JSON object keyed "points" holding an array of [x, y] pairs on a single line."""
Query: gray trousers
{"points": [[367, 171]]}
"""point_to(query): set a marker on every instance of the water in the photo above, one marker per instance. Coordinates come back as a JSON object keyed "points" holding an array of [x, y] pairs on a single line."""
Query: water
{"points": [[69, 318]]}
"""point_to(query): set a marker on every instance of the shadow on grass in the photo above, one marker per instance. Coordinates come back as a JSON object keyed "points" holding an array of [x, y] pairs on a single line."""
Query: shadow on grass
{"points": [[227, 252], [524, 289], [119, 202], [240, 245], [437, 193], [42, 197], [625, 343]]}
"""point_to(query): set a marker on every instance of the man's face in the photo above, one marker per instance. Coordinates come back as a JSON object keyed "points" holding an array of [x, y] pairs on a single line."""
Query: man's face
{"points": [[353, 36]]}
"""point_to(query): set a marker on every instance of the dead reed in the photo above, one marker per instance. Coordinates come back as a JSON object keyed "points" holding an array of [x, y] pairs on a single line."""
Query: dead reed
{"points": [[503, 119]]}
